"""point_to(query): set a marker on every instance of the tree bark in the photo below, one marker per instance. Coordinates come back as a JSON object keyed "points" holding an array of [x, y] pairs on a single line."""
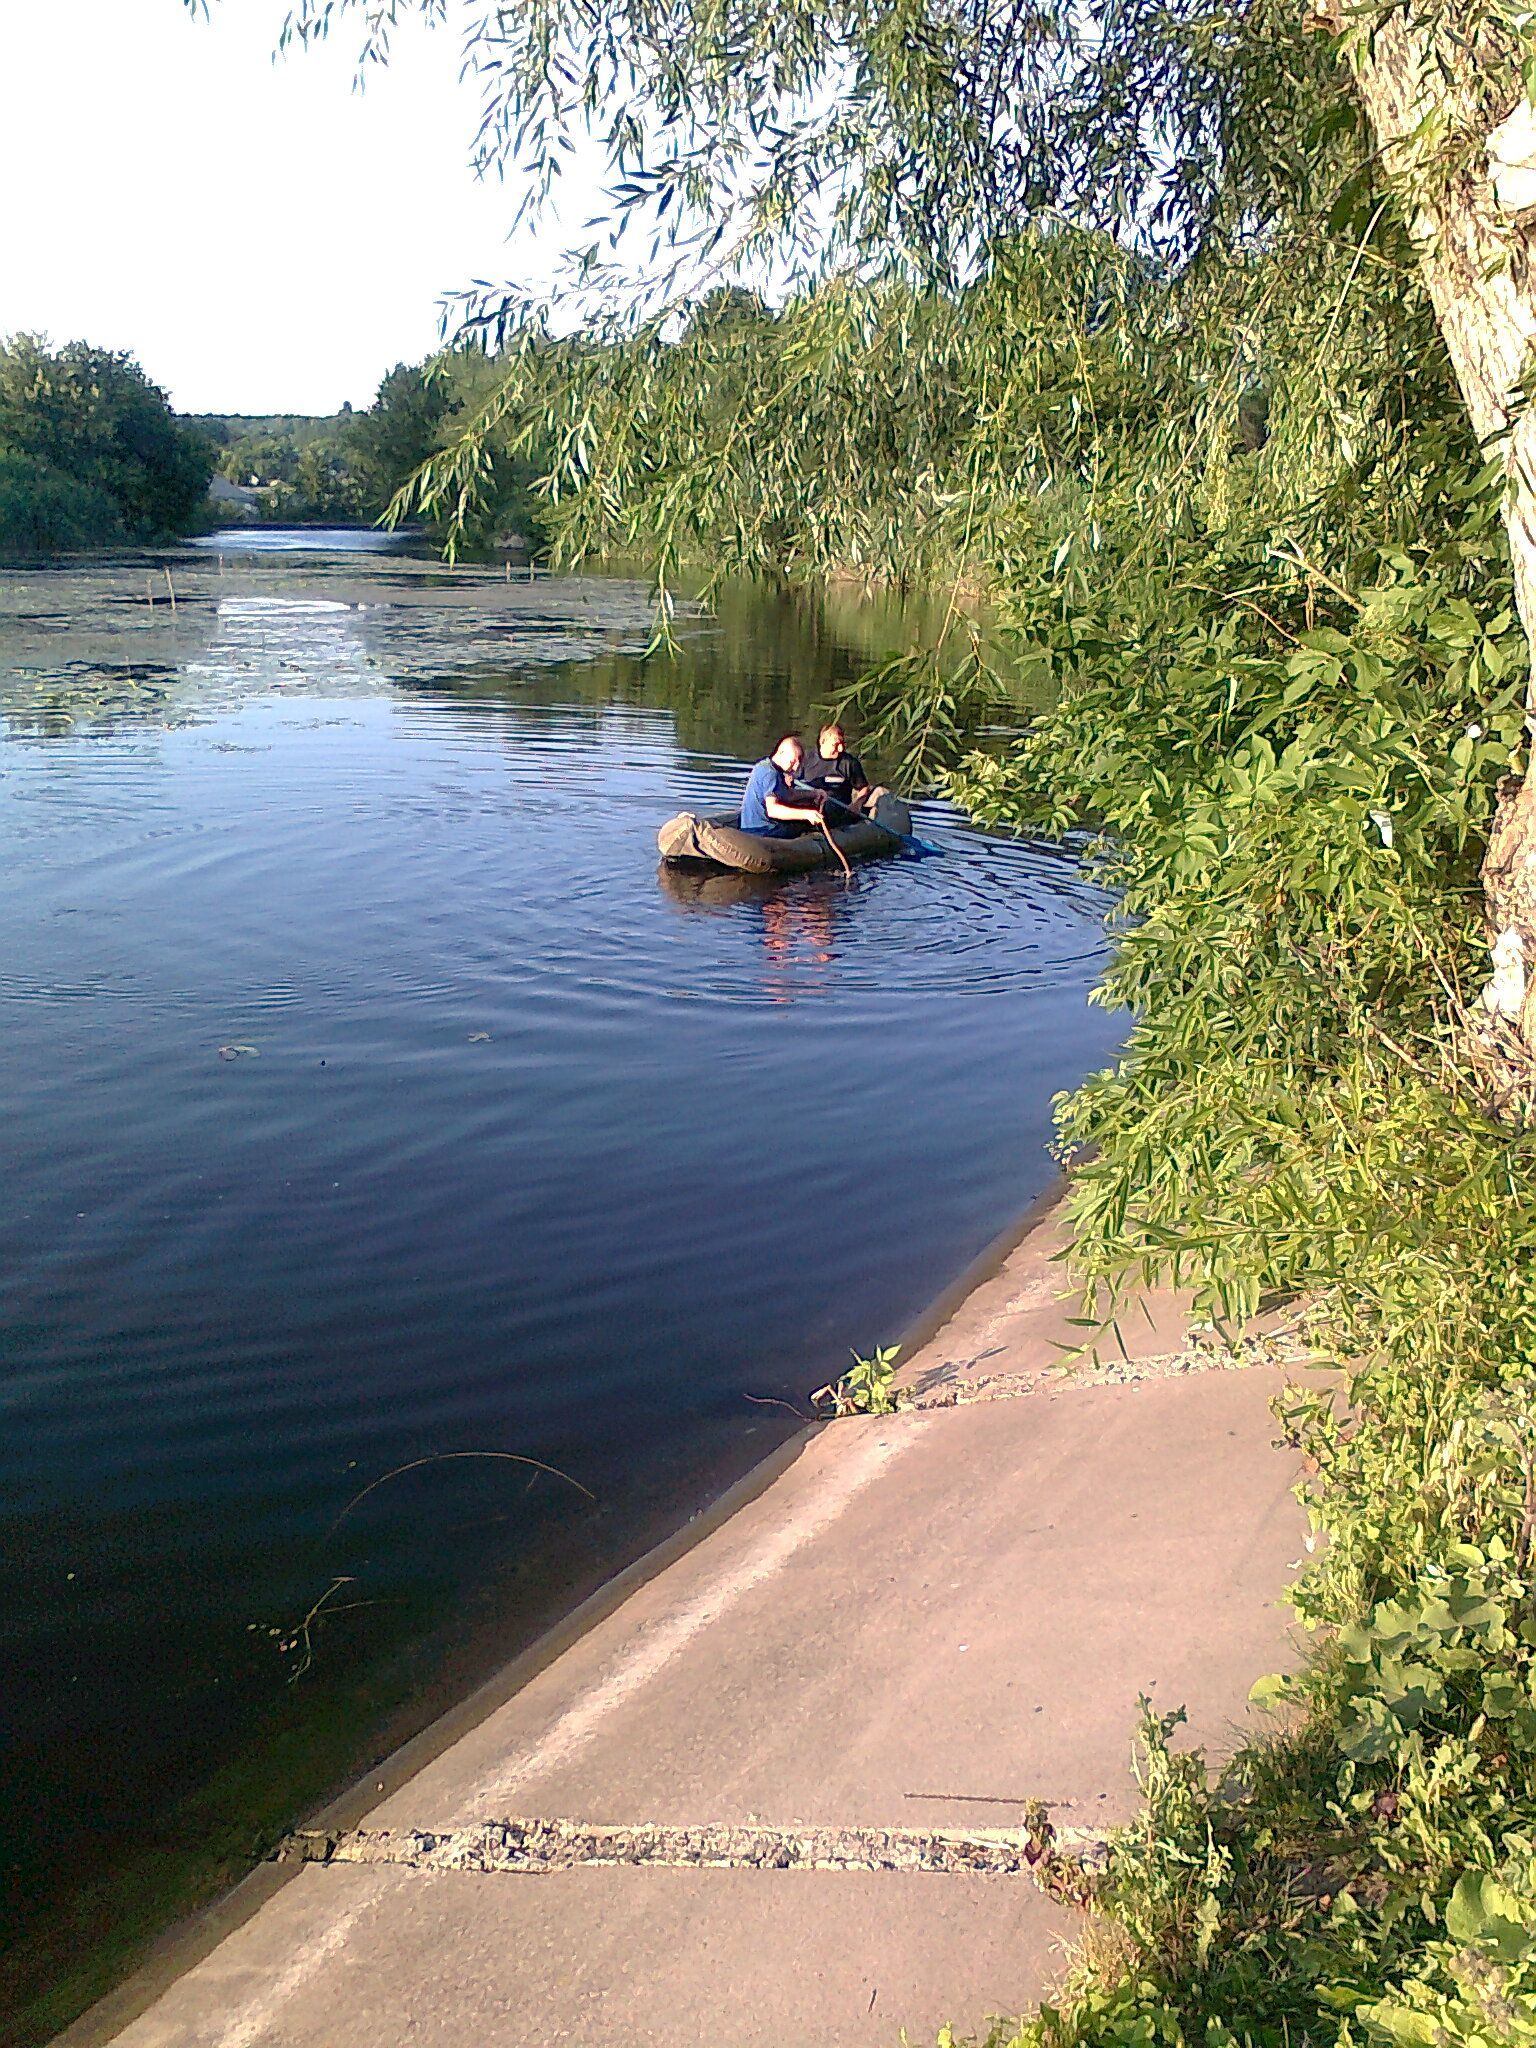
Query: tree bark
{"points": [[1464, 165]]}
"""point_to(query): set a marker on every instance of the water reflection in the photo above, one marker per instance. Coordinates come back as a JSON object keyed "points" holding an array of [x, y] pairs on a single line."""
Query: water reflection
{"points": [[705, 888], [302, 540], [795, 917], [798, 939], [317, 645]]}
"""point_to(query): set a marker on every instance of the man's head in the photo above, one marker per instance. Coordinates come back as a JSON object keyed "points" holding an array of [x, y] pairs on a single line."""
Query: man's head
{"points": [[831, 741], [789, 754]]}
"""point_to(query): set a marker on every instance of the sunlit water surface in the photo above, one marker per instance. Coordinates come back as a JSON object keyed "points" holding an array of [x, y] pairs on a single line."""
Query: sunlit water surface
{"points": [[368, 1095]]}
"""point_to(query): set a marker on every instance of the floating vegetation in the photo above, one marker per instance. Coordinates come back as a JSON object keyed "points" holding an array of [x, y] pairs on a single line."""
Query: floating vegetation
{"points": [[323, 626]]}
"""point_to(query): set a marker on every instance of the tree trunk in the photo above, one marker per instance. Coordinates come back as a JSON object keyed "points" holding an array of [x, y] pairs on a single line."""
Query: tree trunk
{"points": [[1465, 167]]}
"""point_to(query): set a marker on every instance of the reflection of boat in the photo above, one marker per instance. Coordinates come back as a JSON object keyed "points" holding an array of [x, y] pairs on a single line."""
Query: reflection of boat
{"points": [[705, 887], [798, 927], [720, 841]]}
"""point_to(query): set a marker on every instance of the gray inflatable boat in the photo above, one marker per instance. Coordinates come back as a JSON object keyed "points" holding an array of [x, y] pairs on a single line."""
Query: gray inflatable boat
{"points": [[720, 841]]}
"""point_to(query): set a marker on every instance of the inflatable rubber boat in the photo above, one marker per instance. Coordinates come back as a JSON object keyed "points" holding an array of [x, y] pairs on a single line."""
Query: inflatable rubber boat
{"points": [[720, 841]]}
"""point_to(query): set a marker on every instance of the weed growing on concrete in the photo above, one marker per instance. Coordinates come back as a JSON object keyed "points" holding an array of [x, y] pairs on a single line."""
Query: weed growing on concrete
{"points": [[867, 1388]]}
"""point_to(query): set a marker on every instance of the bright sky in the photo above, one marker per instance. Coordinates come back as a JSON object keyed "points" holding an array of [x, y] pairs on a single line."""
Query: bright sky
{"points": [[262, 238]]}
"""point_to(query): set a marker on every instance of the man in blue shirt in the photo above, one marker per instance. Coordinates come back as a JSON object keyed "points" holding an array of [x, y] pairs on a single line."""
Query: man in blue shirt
{"points": [[773, 806]]}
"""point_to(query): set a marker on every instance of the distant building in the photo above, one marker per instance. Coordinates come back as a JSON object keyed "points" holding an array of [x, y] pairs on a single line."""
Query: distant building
{"points": [[237, 499]]}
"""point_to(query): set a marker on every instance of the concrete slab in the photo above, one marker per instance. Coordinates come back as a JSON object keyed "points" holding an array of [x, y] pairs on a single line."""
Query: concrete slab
{"points": [[928, 1620], [347, 1958], [1021, 1314]]}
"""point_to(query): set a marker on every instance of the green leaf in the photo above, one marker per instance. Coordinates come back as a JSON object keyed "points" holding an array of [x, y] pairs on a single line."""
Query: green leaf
{"points": [[1485, 1914]]}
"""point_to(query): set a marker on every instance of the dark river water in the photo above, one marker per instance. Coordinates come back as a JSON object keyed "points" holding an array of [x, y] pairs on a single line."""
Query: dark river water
{"points": [[369, 1098]]}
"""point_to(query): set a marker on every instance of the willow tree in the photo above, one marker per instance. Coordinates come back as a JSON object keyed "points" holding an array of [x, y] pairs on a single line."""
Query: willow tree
{"points": [[1445, 90]]}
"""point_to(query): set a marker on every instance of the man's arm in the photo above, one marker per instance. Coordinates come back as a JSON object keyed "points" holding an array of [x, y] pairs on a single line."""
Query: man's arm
{"points": [[793, 814]]}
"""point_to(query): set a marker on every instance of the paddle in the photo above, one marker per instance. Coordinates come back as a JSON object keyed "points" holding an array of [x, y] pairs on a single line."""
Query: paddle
{"points": [[821, 819], [912, 848]]}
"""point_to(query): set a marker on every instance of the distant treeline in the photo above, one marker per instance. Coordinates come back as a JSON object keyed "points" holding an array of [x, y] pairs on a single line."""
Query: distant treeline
{"points": [[346, 467], [92, 455]]}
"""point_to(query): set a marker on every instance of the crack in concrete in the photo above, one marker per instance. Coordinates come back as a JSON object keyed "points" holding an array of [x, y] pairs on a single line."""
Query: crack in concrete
{"points": [[937, 1390], [532, 1847]]}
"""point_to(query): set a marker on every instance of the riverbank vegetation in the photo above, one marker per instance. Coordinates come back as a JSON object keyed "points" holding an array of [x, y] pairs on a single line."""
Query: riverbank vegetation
{"points": [[345, 469], [296, 468], [1194, 339], [91, 454]]}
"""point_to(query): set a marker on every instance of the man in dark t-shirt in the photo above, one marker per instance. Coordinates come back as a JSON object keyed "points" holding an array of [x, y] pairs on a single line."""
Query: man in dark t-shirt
{"points": [[841, 774]]}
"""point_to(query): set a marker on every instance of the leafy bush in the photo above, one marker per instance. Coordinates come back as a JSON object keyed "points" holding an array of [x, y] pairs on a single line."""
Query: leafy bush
{"points": [[92, 449], [44, 512], [1292, 797]]}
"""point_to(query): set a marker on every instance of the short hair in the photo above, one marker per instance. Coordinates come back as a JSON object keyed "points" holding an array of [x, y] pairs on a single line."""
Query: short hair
{"points": [[832, 726], [783, 741]]}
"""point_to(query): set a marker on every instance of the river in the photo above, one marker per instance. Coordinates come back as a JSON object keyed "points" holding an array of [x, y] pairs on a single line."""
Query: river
{"points": [[370, 1099]]}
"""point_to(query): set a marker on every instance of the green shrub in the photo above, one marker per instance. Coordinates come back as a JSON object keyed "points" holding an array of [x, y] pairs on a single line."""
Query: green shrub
{"points": [[94, 452], [44, 512]]}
